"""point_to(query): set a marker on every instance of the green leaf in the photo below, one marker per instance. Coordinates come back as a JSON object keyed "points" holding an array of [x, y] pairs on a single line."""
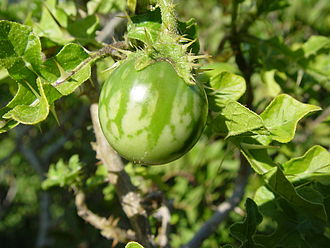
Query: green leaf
{"points": [[72, 58], [282, 115], [62, 174], [131, 4], [235, 119], [266, 6], [272, 87], [6, 125], [255, 153], [226, 87], [314, 44], [33, 113], [105, 6], [314, 164], [84, 28], [145, 27], [265, 199], [49, 28], [282, 187], [133, 245], [293, 229], [19, 46], [244, 231]]}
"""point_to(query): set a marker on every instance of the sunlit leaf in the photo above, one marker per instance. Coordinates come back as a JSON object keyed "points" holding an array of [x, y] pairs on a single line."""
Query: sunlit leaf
{"points": [[234, 119], [282, 115], [314, 44], [272, 87], [63, 174], [133, 245], [33, 113], [314, 164]]}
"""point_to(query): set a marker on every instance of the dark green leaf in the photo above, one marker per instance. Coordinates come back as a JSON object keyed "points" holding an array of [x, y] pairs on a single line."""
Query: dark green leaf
{"points": [[145, 27], [84, 28], [244, 231], [189, 30], [281, 186]]}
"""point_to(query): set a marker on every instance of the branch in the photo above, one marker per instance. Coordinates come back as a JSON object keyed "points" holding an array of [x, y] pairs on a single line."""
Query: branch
{"points": [[108, 50], [128, 196], [107, 226], [163, 213], [223, 209]]}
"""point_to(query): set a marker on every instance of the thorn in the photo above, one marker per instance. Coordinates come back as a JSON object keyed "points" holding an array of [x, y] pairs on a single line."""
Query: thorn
{"points": [[189, 44], [111, 67], [196, 65], [202, 56], [203, 70]]}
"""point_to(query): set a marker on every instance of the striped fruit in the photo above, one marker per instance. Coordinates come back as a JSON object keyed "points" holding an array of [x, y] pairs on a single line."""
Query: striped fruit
{"points": [[151, 116]]}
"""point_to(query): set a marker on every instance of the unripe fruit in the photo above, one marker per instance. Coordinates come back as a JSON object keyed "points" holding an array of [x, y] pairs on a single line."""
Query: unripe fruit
{"points": [[151, 116]]}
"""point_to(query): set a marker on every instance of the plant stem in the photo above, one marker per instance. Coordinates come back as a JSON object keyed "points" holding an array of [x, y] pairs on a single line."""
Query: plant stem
{"points": [[128, 196], [243, 65], [169, 24]]}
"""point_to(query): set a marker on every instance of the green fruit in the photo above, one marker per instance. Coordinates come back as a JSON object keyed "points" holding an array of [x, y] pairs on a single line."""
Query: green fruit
{"points": [[151, 116]]}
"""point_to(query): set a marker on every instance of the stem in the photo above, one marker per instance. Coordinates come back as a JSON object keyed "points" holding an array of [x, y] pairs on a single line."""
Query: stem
{"points": [[129, 198], [108, 50], [243, 65], [234, 17], [169, 23]]}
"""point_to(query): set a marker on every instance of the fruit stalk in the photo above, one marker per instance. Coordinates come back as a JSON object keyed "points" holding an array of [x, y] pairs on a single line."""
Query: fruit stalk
{"points": [[169, 23]]}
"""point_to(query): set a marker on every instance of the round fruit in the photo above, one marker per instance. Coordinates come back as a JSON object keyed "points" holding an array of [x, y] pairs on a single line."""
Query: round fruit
{"points": [[151, 116]]}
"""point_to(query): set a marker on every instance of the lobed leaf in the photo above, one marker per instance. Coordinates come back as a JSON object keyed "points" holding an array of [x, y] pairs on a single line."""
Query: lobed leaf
{"points": [[235, 119], [226, 87], [19, 47], [314, 164], [39, 83], [72, 59], [282, 187], [33, 113], [293, 228], [49, 27], [244, 231], [282, 115]]}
